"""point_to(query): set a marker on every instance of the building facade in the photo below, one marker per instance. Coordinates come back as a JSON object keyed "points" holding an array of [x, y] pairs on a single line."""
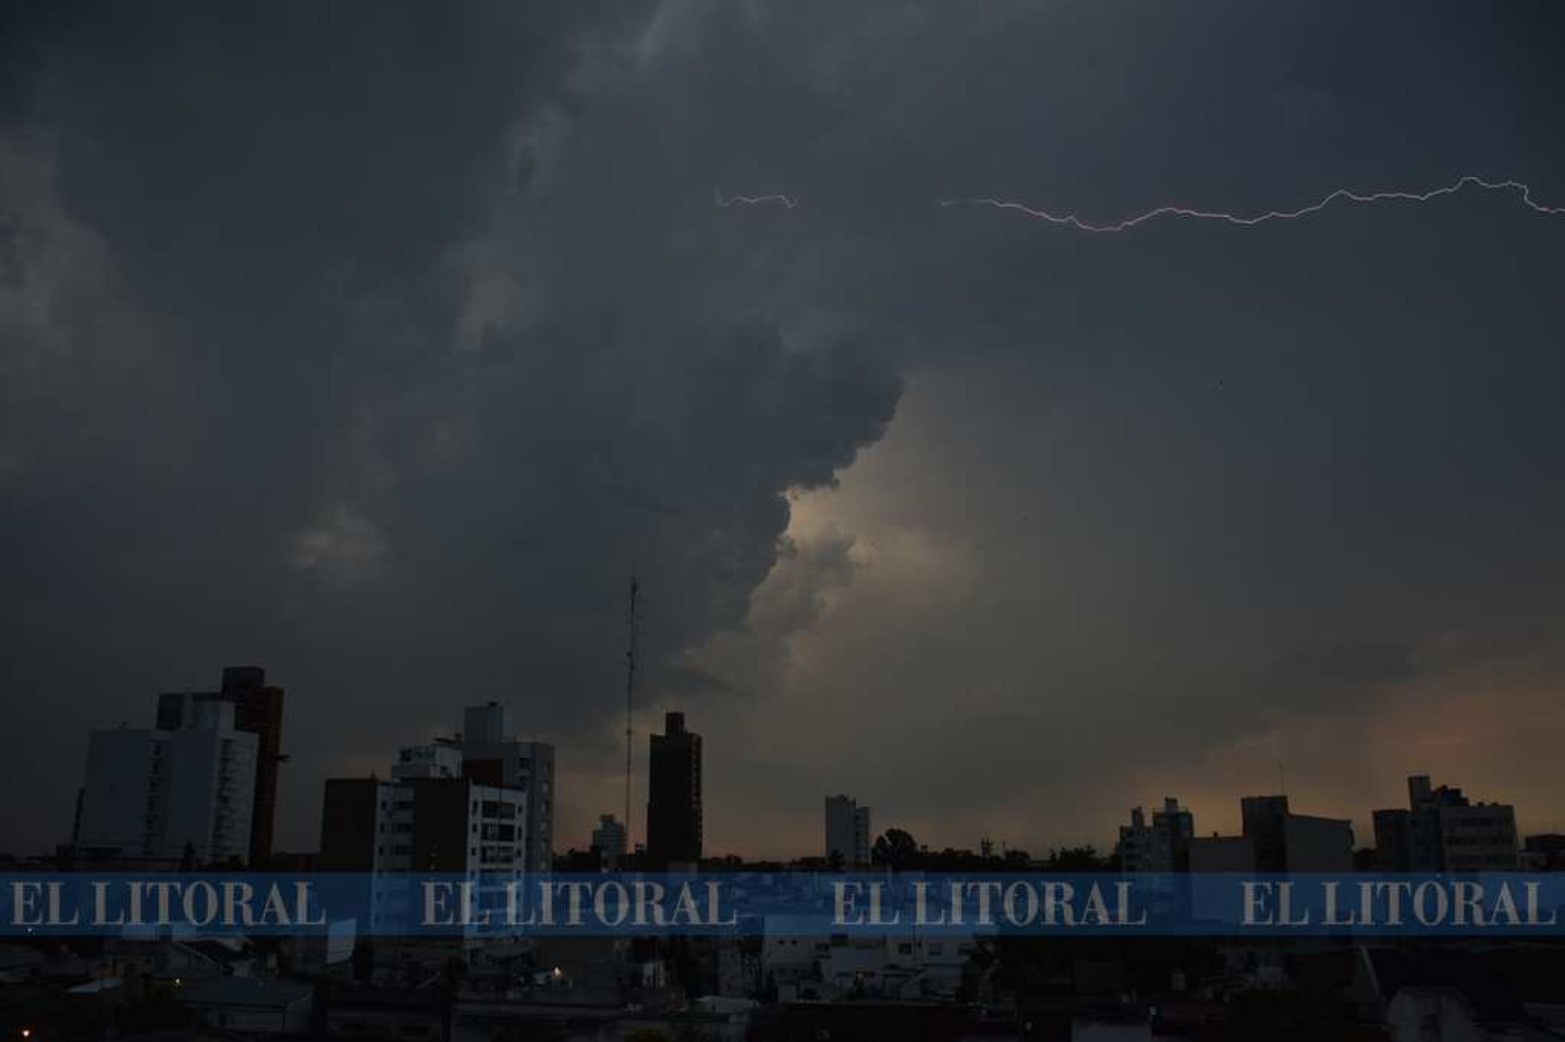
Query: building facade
{"points": [[1264, 824], [674, 795], [169, 795], [424, 819], [608, 841], [1283, 841], [1162, 846], [258, 710], [493, 756], [1544, 852], [1393, 839], [1316, 844], [427, 761], [1442, 831], [1222, 854], [847, 831]]}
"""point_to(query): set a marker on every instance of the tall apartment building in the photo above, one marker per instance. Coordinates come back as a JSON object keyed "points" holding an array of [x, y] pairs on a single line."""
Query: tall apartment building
{"points": [[258, 710], [160, 795], [1283, 841], [493, 756], [1393, 839], [1264, 822], [674, 795], [426, 818], [1441, 831], [847, 831], [1163, 846]]}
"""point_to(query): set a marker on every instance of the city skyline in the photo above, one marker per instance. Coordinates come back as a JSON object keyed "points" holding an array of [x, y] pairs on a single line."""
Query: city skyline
{"points": [[488, 752]]}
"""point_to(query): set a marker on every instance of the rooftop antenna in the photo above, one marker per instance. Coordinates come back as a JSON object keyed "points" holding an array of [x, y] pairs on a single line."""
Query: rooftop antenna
{"points": [[630, 690]]}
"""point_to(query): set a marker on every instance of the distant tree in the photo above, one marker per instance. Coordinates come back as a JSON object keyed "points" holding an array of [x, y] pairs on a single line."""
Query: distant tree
{"points": [[947, 860], [836, 861], [895, 849], [1076, 859]]}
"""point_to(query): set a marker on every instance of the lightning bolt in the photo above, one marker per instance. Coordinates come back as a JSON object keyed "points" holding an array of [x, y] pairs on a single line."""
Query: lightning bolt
{"points": [[787, 201], [1340, 195]]}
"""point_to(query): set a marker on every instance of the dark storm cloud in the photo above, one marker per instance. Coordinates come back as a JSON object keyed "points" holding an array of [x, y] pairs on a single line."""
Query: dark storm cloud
{"points": [[1353, 662], [1276, 478], [323, 449]]}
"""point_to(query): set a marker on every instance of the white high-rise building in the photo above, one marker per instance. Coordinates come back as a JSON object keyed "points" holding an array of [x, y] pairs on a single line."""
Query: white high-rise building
{"points": [[493, 756], [427, 818], [847, 831], [155, 795]]}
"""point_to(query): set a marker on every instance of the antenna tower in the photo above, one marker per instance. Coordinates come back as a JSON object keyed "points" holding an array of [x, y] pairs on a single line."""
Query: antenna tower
{"points": [[630, 690]]}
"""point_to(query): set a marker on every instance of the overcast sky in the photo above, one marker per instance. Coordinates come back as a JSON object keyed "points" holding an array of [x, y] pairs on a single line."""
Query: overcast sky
{"points": [[378, 344]]}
